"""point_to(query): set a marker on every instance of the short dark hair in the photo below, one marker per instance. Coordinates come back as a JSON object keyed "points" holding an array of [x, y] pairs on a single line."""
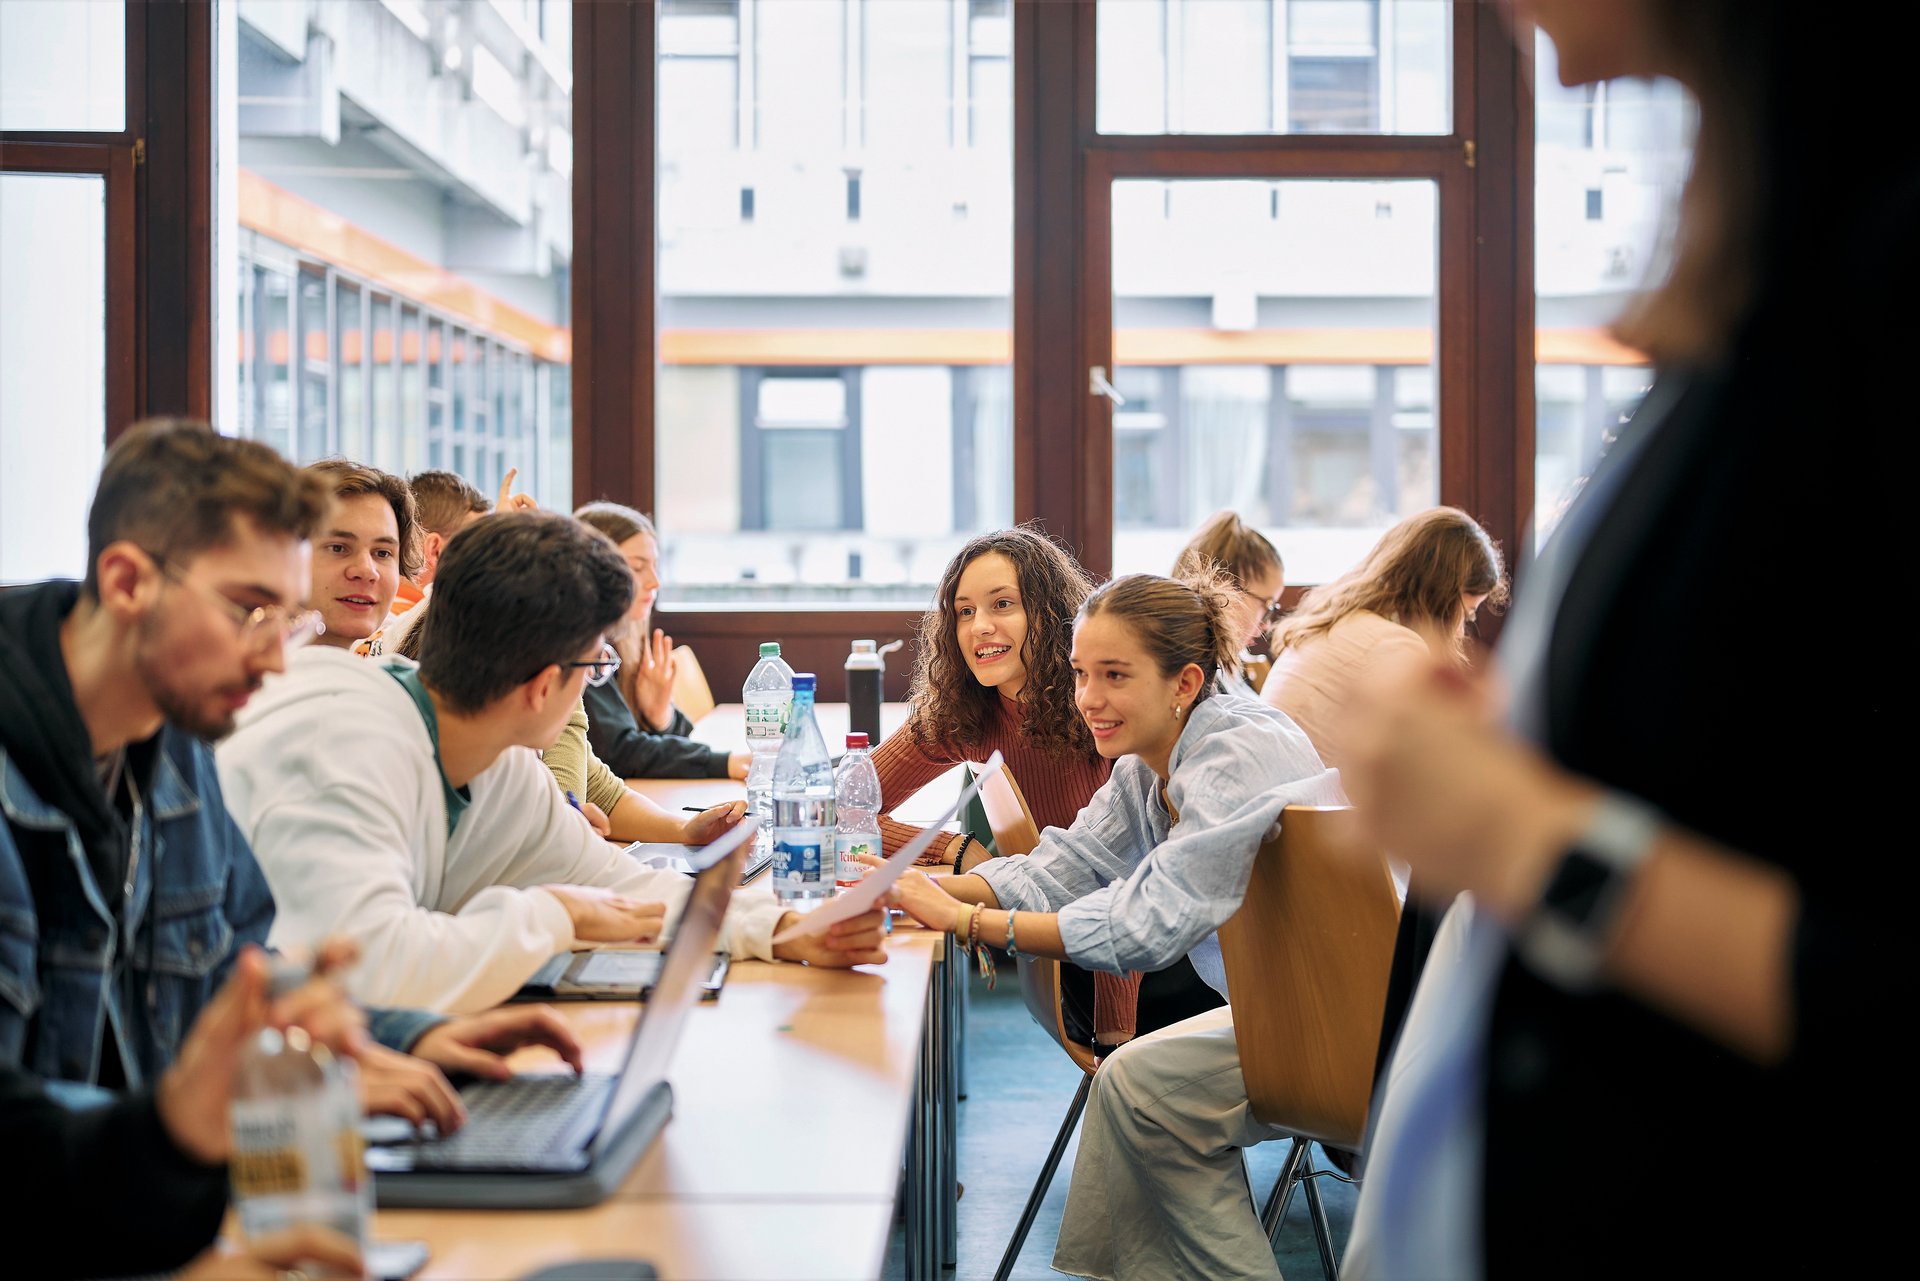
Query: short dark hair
{"points": [[175, 487], [349, 479], [442, 500], [514, 593]]}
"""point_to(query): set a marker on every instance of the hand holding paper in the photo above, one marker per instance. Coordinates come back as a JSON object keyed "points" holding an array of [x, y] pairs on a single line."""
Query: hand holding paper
{"points": [[865, 896]]}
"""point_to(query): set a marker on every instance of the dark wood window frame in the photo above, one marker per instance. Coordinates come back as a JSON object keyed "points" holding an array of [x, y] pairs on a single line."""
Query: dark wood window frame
{"points": [[160, 260], [1063, 175]]}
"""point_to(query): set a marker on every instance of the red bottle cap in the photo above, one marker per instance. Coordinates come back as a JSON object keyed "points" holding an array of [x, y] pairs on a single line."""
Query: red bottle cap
{"points": [[857, 739]]}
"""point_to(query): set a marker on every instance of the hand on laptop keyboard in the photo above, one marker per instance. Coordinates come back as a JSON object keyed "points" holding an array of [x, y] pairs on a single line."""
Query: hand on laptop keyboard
{"points": [[396, 1084], [478, 1044]]}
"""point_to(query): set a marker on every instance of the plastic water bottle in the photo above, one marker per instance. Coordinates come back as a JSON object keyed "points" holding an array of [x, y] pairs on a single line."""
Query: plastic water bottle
{"points": [[768, 693], [296, 1139], [856, 799], [803, 820]]}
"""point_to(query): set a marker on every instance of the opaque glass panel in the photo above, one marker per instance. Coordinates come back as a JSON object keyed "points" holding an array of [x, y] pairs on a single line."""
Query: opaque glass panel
{"points": [[53, 363], [1274, 66], [63, 65]]}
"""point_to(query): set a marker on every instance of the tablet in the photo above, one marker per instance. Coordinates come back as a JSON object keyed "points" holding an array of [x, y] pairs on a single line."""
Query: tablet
{"points": [[610, 974]]}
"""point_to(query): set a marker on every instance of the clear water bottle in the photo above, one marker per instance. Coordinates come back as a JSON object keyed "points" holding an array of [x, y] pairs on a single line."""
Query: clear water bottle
{"points": [[768, 693], [296, 1139], [803, 821], [856, 801]]}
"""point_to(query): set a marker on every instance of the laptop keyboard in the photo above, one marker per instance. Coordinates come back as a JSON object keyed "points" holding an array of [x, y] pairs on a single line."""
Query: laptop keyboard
{"points": [[517, 1124]]}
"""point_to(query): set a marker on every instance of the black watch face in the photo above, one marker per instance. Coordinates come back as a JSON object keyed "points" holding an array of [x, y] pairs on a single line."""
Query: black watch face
{"points": [[1577, 886]]}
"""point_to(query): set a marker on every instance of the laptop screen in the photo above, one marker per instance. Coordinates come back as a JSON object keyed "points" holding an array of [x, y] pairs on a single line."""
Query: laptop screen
{"points": [[687, 960]]}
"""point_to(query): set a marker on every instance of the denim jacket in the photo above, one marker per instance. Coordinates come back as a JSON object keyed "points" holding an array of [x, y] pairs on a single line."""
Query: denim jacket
{"points": [[198, 896]]}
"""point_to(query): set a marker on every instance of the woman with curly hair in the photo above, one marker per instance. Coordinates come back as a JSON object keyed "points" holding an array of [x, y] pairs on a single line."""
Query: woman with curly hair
{"points": [[992, 674], [995, 673]]}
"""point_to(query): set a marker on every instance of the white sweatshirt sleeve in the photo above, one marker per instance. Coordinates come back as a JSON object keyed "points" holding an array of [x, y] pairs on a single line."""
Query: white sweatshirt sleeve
{"points": [[341, 861], [559, 847], [564, 849]]}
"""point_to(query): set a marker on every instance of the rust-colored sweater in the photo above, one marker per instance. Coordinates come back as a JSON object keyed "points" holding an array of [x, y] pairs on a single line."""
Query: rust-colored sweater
{"points": [[1057, 788]]}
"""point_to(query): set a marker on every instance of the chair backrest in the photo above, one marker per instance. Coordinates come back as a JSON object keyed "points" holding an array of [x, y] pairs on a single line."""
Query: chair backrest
{"points": [[1014, 831], [691, 693], [1307, 957]]}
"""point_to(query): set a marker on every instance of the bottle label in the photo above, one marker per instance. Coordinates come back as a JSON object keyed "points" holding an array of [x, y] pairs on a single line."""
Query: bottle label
{"points": [[848, 847], [299, 1160], [769, 719], [796, 857]]}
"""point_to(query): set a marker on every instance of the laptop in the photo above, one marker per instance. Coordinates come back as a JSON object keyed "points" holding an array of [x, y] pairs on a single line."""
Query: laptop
{"points": [[628, 974], [556, 1141]]}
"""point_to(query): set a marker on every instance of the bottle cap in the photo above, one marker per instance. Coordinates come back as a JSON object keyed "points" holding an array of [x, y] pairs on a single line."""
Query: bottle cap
{"points": [[857, 740], [769, 649], [863, 647], [803, 680]]}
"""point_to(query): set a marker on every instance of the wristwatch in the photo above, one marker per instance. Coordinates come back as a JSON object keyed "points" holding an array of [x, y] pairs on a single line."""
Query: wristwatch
{"points": [[1564, 937]]}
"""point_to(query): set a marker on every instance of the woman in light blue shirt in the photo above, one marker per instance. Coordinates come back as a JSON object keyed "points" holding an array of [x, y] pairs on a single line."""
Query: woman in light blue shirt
{"points": [[1157, 861]]}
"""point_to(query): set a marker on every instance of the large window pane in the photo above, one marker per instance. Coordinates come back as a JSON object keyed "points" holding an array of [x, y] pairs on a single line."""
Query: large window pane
{"points": [[53, 369], [834, 414], [395, 214], [1274, 343], [1608, 163], [1274, 66], [63, 65]]}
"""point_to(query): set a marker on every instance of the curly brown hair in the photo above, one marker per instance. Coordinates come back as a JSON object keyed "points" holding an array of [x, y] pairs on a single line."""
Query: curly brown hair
{"points": [[951, 710]]}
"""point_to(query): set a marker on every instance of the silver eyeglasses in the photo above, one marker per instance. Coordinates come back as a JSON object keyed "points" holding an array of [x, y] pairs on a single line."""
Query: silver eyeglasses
{"points": [[262, 623]]}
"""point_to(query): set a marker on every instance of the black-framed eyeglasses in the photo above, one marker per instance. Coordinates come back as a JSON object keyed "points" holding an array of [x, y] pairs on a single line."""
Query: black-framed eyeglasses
{"points": [[291, 627], [1271, 610], [599, 670]]}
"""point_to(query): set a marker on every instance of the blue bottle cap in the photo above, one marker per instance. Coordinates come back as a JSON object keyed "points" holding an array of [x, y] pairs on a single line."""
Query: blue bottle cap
{"points": [[803, 680]]}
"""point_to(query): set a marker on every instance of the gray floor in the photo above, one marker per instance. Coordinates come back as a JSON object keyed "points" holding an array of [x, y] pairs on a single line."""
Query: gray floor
{"points": [[1019, 1085]]}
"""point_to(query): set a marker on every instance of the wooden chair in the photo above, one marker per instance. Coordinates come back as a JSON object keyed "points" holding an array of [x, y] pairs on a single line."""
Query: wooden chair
{"points": [[1016, 833], [691, 693], [1307, 959]]}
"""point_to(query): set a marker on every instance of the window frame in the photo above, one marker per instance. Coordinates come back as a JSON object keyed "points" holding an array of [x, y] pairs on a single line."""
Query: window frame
{"points": [[1063, 171]]}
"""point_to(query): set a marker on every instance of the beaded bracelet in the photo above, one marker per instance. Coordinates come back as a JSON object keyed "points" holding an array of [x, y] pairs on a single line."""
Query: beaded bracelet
{"points": [[967, 938]]}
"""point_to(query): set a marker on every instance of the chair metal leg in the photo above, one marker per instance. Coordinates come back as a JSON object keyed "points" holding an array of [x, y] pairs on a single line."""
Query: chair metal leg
{"points": [[1322, 1230], [1045, 1181], [1282, 1195]]}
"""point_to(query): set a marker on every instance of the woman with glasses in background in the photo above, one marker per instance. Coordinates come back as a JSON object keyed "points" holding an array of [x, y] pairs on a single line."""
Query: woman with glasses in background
{"points": [[1413, 596], [1228, 545]]}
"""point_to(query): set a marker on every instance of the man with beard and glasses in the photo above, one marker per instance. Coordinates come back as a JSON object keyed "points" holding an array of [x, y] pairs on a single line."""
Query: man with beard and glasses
{"points": [[126, 890]]}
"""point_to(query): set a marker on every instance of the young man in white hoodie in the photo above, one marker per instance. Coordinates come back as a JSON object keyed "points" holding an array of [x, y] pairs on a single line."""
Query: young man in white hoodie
{"points": [[405, 807]]}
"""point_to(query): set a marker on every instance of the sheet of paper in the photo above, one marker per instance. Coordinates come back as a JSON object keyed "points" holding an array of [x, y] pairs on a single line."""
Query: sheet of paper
{"points": [[865, 896]]}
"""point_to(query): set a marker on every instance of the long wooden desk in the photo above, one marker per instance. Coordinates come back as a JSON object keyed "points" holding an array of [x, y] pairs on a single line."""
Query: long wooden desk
{"points": [[794, 1098]]}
